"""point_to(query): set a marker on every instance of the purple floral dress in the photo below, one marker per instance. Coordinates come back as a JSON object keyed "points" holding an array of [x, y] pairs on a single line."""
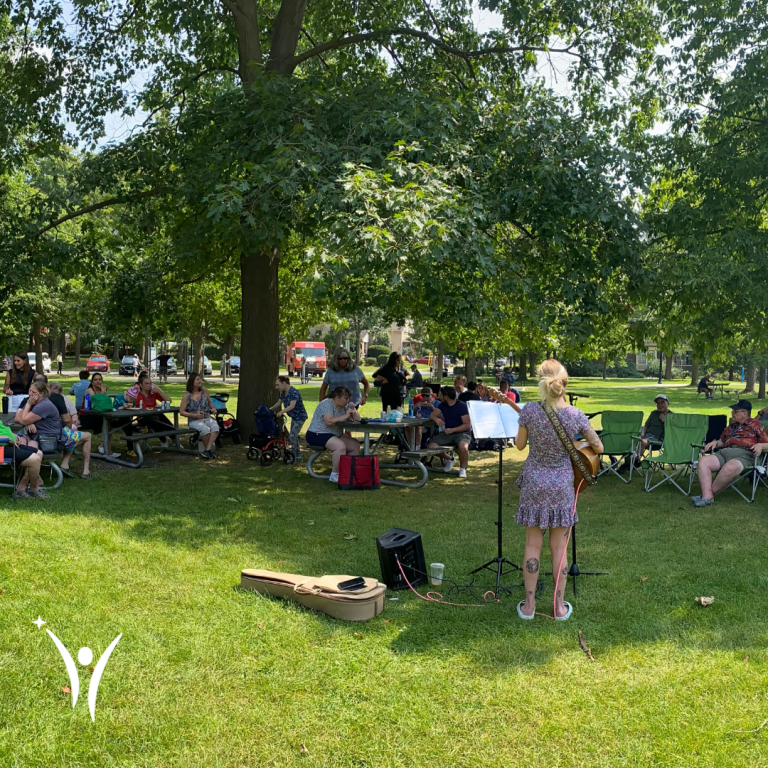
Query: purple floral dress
{"points": [[546, 482]]}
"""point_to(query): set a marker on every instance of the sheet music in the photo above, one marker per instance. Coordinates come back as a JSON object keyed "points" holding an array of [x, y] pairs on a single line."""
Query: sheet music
{"points": [[493, 420], [14, 402]]}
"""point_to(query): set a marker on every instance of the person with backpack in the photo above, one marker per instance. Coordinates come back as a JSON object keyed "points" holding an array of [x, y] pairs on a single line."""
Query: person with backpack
{"points": [[290, 402]]}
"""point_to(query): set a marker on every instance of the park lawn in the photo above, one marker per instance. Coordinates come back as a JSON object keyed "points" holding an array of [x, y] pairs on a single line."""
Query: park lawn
{"points": [[207, 675]]}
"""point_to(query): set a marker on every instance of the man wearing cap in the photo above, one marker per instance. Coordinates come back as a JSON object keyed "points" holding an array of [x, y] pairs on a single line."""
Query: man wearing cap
{"points": [[653, 431], [739, 444]]}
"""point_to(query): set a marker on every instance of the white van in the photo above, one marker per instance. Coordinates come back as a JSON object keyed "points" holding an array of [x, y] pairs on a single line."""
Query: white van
{"points": [[46, 361]]}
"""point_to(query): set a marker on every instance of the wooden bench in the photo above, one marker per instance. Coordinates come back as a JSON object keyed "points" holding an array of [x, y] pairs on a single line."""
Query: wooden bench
{"points": [[165, 433]]}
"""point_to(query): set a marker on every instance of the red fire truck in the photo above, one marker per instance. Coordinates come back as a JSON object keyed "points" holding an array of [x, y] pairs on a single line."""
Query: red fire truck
{"points": [[311, 352]]}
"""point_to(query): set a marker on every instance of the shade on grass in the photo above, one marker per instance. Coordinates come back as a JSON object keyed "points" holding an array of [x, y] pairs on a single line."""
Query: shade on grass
{"points": [[207, 675]]}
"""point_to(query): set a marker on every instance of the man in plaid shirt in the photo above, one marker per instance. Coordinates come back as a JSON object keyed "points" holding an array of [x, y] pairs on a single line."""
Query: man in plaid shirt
{"points": [[739, 445]]}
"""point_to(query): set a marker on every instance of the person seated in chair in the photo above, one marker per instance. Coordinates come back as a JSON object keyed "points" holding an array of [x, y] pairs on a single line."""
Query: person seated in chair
{"points": [[452, 414], [739, 445], [470, 393], [416, 381], [509, 392], [705, 386], [653, 429]]}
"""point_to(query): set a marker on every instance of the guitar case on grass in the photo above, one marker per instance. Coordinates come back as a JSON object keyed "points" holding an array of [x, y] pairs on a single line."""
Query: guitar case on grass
{"points": [[320, 593]]}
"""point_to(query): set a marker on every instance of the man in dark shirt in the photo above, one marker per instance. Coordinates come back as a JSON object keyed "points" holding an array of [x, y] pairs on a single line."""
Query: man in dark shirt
{"points": [[416, 381], [470, 393], [705, 385], [452, 414], [653, 431], [162, 365]]}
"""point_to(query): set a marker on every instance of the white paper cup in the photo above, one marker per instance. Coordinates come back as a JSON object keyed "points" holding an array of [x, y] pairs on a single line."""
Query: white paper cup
{"points": [[436, 573]]}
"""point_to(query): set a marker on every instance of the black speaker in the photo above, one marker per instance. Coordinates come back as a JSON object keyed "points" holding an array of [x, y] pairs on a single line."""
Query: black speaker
{"points": [[405, 546]]}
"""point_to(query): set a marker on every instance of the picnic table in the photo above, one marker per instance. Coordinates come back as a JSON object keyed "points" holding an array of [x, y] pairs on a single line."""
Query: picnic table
{"points": [[721, 387], [136, 441], [413, 458]]}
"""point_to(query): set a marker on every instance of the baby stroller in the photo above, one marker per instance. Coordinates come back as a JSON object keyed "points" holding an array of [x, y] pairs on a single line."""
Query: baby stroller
{"points": [[228, 424], [268, 443]]}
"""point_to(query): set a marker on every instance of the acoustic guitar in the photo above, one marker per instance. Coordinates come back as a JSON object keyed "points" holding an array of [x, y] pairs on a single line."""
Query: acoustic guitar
{"points": [[590, 459]]}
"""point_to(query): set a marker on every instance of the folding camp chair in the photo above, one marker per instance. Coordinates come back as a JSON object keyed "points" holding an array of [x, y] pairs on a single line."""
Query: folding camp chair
{"points": [[616, 436], [752, 476], [683, 436]]}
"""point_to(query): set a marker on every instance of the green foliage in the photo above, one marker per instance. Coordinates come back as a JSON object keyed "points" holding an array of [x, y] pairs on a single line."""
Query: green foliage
{"points": [[377, 350], [371, 361], [382, 359], [652, 372]]}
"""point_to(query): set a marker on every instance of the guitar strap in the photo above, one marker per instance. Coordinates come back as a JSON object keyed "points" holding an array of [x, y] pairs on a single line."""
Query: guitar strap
{"points": [[568, 443]]}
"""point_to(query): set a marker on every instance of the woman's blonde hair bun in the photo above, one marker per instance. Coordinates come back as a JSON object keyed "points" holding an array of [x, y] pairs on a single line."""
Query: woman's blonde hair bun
{"points": [[553, 380]]}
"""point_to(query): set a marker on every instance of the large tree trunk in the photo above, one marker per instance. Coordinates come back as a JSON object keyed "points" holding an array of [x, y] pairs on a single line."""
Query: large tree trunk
{"points": [[668, 368], [750, 387], [439, 361], [259, 335], [470, 366], [761, 383], [694, 373], [730, 374], [37, 346], [339, 339], [77, 348], [532, 358]]}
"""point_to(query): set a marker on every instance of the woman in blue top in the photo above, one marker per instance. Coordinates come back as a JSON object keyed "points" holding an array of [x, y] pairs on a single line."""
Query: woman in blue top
{"points": [[342, 372], [290, 402]]}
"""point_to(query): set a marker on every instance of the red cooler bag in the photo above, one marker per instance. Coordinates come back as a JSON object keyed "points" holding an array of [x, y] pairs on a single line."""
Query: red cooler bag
{"points": [[359, 473]]}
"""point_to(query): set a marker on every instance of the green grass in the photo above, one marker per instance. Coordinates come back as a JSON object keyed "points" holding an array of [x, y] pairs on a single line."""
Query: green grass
{"points": [[207, 675]]}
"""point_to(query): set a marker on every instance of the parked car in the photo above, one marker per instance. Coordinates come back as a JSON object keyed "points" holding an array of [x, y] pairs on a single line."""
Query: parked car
{"points": [[6, 363], [207, 367], [46, 361], [172, 369], [97, 364], [126, 367], [234, 364]]}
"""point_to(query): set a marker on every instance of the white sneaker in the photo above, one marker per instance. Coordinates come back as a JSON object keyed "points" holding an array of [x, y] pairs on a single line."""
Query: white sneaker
{"points": [[114, 455], [334, 478], [449, 465], [101, 449], [462, 473]]}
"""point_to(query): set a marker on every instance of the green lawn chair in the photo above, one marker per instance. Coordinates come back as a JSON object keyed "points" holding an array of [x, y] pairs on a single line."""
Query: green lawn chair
{"points": [[752, 477], [683, 435], [616, 436]]}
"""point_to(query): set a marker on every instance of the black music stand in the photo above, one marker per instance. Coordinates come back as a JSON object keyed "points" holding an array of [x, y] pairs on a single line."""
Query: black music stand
{"points": [[496, 421]]}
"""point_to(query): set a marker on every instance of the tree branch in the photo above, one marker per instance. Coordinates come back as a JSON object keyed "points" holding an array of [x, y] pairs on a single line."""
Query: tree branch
{"points": [[380, 34], [96, 207]]}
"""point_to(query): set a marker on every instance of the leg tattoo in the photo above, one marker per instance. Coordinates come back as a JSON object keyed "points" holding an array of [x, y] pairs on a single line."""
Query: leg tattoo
{"points": [[532, 565]]}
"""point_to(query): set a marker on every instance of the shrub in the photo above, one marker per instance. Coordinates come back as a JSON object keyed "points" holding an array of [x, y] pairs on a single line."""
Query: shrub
{"points": [[583, 367], [625, 371], [371, 361], [377, 350], [458, 369], [652, 371], [382, 359]]}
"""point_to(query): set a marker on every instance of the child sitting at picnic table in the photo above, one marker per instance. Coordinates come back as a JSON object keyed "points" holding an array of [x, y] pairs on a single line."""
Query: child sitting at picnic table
{"points": [[290, 402], [147, 395]]}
